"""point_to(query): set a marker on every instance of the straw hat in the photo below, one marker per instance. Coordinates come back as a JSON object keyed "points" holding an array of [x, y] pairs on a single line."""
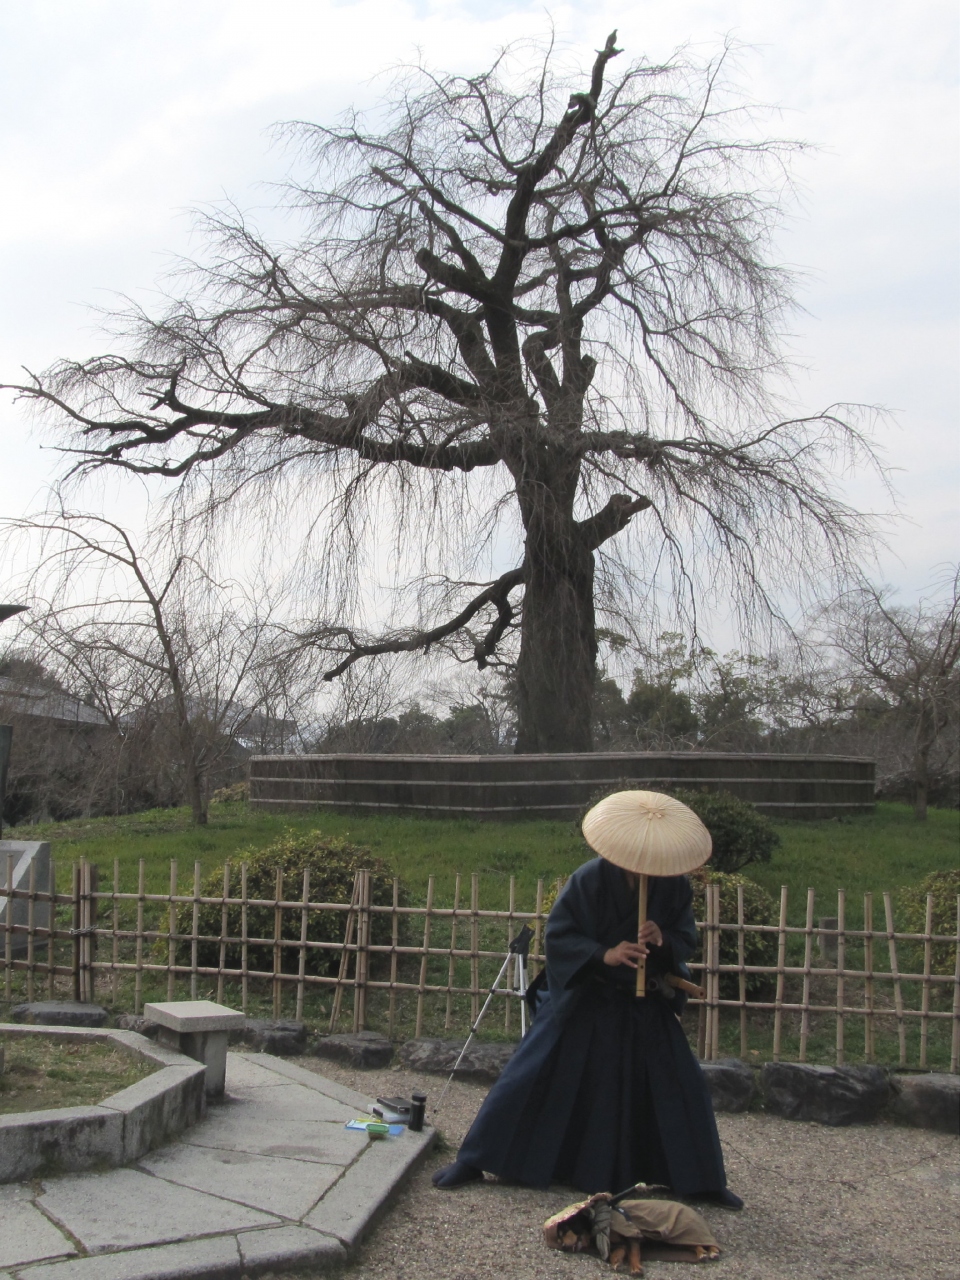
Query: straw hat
{"points": [[646, 832]]}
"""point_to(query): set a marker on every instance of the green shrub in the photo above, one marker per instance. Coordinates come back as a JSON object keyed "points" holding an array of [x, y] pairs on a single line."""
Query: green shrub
{"points": [[911, 917], [758, 908], [740, 834], [332, 863]]}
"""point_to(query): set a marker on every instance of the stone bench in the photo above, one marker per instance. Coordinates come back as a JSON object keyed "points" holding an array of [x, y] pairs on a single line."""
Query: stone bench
{"points": [[199, 1029]]}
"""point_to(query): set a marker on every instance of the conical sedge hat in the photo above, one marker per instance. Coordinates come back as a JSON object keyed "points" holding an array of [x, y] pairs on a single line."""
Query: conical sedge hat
{"points": [[649, 833]]}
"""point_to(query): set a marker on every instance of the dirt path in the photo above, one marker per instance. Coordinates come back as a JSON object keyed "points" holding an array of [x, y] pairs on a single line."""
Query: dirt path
{"points": [[822, 1204]]}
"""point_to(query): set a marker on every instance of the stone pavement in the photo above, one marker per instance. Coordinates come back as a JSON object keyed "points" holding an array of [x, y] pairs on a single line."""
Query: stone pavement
{"points": [[270, 1179]]}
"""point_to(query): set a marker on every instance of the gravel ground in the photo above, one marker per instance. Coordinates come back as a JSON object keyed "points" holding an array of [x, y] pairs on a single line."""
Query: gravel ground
{"points": [[822, 1204]]}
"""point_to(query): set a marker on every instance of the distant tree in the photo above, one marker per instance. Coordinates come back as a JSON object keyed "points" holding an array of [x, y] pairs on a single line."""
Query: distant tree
{"points": [[175, 661], [904, 663], [528, 297]]}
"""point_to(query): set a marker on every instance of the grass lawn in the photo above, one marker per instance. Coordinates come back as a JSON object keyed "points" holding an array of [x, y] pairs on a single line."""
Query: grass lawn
{"points": [[40, 1073], [875, 852]]}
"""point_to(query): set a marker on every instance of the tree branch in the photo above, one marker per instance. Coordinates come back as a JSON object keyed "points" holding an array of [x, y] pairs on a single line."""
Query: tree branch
{"points": [[496, 593]]}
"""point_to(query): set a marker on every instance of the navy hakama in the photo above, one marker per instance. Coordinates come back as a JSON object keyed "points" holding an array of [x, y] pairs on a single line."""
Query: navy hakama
{"points": [[603, 1092]]}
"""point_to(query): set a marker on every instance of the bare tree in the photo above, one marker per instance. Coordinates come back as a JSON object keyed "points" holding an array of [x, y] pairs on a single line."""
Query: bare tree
{"points": [[527, 296], [153, 642], [907, 661]]}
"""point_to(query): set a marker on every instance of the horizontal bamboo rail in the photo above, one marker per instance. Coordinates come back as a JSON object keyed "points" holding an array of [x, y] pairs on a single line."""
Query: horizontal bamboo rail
{"points": [[130, 944]]}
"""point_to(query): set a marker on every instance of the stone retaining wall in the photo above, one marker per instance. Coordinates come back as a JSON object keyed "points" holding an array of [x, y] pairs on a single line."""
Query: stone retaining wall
{"points": [[116, 1131], [556, 786]]}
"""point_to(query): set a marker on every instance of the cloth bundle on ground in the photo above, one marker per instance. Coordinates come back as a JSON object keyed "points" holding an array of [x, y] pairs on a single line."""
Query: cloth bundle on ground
{"points": [[611, 1224]]}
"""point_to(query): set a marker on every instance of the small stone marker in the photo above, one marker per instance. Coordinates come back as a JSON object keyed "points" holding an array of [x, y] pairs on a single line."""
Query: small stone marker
{"points": [[27, 855], [198, 1028]]}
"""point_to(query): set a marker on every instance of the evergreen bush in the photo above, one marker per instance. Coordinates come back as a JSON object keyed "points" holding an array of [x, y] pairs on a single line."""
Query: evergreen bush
{"points": [[911, 917], [740, 834], [758, 908], [332, 863]]}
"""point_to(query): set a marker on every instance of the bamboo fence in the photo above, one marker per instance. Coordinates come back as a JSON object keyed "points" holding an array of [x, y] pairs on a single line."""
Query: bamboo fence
{"points": [[432, 963]]}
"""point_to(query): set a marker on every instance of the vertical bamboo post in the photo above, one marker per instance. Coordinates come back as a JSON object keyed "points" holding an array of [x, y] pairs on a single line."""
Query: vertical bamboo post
{"points": [[895, 975], [927, 970], [511, 969], [713, 1012], [51, 932], [641, 921], [194, 932], [394, 942], [781, 965], [172, 932], [86, 931], [538, 923], [8, 932], [244, 945], [869, 1048], [742, 977], [474, 948], [31, 901], [705, 955], [363, 955], [427, 920], [451, 963], [344, 954], [224, 930], [304, 933], [277, 947], [138, 979], [115, 917], [955, 1038], [91, 924], [807, 966], [74, 931], [841, 966]]}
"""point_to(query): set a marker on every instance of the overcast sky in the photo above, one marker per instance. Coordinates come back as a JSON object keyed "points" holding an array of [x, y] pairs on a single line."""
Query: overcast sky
{"points": [[119, 116]]}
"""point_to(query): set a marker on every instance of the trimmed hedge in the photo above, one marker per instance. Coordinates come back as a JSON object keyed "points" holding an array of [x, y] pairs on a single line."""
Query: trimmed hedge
{"points": [[758, 908], [332, 863], [740, 834], [911, 917]]}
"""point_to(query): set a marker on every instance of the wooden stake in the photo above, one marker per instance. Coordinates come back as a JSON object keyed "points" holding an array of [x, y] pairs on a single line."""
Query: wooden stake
{"points": [[642, 964]]}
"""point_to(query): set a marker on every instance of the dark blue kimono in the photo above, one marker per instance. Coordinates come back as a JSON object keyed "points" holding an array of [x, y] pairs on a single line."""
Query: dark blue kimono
{"points": [[604, 1092]]}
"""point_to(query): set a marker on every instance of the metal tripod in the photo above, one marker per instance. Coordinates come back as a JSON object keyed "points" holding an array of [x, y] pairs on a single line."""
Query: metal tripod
{"points": [[518, 949]]}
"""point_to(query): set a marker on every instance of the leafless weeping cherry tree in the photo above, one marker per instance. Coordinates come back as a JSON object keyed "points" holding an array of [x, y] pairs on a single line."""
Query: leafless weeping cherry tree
{"points": [[524, 291]]}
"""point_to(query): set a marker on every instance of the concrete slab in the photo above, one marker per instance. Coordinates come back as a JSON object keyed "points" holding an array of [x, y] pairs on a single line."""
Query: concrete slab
{"points": [[288, 1101], [309, 1079], [196, 1258], [349, 1209], [124, 1208], [244, 1071], [26, 1234], [288, 1188], [288, 1247], [193, 1015], [322, 1143]]}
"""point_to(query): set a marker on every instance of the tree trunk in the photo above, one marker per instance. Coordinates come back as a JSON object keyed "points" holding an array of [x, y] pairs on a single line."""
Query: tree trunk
{"points": [[556, 669], [195, 791], [921, 785]]}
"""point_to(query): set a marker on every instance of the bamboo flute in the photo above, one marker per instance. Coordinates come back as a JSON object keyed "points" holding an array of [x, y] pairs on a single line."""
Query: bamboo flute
{"points": [[642, 920]]}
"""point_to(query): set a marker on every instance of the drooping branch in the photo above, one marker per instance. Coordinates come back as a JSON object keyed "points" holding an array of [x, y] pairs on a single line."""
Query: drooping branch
{"points": [[496, 593]]}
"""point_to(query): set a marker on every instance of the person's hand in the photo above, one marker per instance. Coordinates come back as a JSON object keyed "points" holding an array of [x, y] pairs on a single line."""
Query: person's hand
{"points": [[629, 953], [650, 934]]}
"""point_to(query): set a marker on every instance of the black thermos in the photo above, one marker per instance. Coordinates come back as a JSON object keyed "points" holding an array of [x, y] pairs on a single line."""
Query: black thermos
{"points": [[418, 1107]]}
